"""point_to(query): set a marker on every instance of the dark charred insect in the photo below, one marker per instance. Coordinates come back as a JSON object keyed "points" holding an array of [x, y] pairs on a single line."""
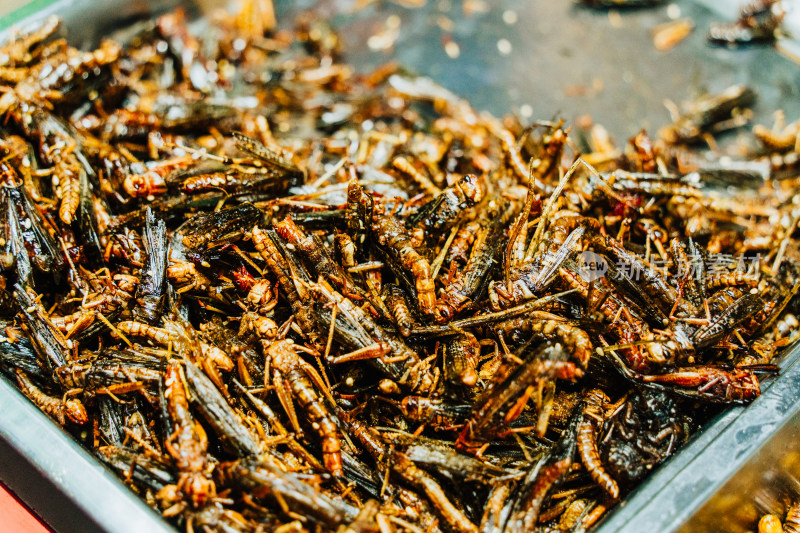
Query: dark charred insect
{"points": [[51, 346], [255, 148], [137, 468], [450, 463], [757, 23], [462, 353], [468, 284], [642, 433], [722, 325], [218, 414], [38, 261], [439, 413], [709, 113], [447, 207], [265, 479], [206, 230], [151, 289], [650, 285], [20, 355], [113, 372]]}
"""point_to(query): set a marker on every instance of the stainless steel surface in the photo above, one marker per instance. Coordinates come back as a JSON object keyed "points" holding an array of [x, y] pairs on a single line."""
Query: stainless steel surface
{"points": [[565, 60], [549, 58], [767, 481], [56, 477]]}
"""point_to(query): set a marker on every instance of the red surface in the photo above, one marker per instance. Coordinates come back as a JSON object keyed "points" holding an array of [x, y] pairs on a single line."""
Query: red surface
{"points": [[15, 517]]}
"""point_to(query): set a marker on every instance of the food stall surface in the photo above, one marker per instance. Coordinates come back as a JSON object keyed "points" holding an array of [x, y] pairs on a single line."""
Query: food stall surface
{"points": [[530, 58]]}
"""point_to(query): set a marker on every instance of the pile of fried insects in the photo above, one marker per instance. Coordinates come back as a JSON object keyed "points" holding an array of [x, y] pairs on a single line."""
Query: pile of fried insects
{"points": [[272, 294]]}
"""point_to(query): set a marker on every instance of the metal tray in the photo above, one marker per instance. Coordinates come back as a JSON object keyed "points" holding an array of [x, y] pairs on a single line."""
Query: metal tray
{"points": [[558, 59]]}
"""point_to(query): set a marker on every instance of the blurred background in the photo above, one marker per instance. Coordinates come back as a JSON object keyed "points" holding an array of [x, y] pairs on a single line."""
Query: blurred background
{"points": [[538, 59], [6, 6]]}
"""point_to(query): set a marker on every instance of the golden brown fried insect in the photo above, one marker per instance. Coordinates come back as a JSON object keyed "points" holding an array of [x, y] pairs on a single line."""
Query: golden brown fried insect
{"points": [[407, 471], [791, 523], [66, 180], [173, 336], [770, 523], [153, 182], [296, 376], [465, 285], [281, 270], [404, 165], [397, 243], [75, 322], [186, 275], [513, 385], [187, 446], [395, 299], [61, 410], [311, 246], [592, 420], [543, 326], [462, 353], [263, 327], [20, 48], [263, 296]]}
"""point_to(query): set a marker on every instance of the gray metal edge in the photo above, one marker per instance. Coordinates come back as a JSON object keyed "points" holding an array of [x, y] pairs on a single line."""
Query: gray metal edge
{"points": [[92, 488]]}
